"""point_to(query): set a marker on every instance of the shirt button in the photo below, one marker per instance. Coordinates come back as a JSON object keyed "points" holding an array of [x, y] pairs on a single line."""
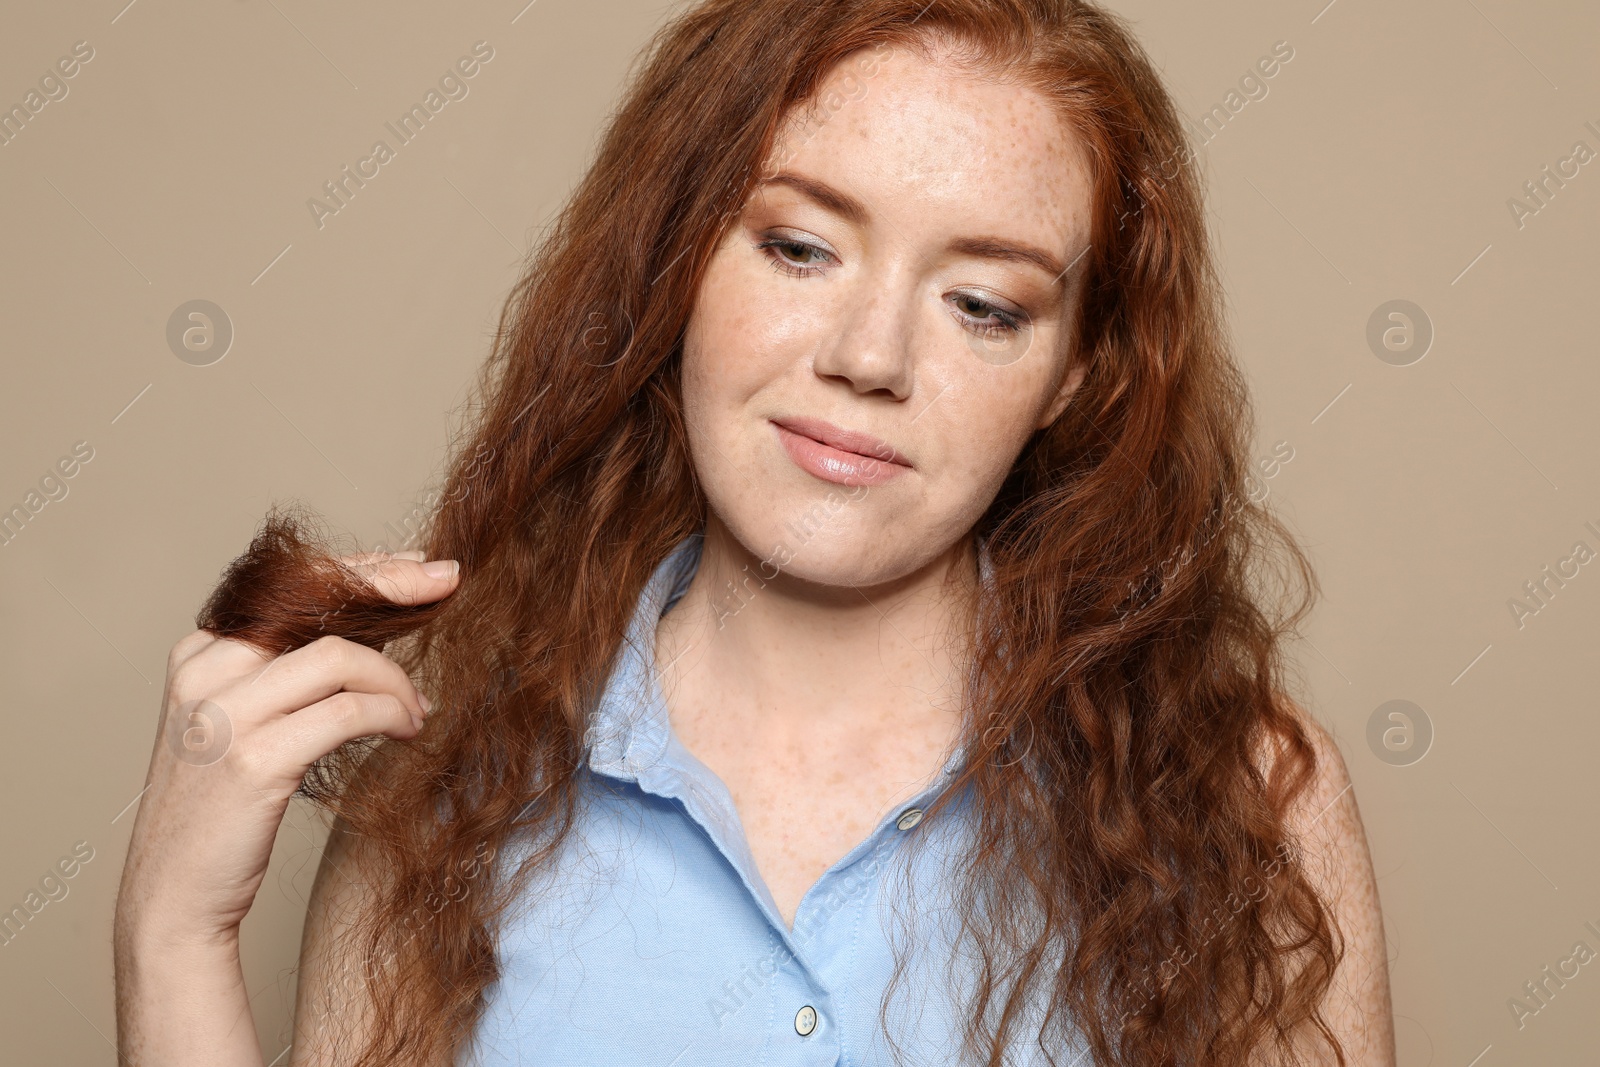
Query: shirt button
{"points": [[909, 818], [805, 1021]]}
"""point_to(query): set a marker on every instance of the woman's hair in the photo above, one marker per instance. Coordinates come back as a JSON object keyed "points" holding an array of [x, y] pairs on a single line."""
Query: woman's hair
{"points": [[1127, 672]]}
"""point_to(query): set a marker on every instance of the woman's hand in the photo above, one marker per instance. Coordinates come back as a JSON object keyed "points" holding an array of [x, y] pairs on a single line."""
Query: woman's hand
{"points": [[239, 730]]}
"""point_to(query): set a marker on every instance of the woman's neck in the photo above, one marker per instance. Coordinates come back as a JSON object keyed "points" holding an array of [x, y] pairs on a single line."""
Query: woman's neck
{"points": [[751, 647]]}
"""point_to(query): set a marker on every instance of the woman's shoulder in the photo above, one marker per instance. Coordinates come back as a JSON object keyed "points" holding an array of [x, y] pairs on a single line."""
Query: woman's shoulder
{"points": [[1325, 823], [1329, 775]]}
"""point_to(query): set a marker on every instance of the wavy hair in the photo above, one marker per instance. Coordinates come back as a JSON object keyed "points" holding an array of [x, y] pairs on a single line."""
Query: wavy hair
{"points": [[1128, 669]]}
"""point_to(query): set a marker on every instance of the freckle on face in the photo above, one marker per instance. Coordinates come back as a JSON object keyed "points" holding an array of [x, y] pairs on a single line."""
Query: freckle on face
{"points": [[872, 339]]}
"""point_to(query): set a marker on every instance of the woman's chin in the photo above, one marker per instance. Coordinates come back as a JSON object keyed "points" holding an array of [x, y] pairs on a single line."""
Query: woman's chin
{"points": [[844, 551]]}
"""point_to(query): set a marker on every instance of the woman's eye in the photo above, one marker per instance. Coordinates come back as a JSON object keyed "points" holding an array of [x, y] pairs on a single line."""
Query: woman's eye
{"points": [[794, 257], [800, 258], [984, 316]]}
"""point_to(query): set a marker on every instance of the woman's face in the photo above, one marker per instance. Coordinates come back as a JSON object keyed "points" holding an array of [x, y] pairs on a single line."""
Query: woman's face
{"points": [[887, 323]]}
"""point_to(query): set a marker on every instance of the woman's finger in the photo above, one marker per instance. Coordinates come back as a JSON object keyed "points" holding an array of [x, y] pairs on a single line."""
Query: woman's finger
{"points": [[188, 647], [409, 581], [314, 731], [213, 663], [315, 672]]}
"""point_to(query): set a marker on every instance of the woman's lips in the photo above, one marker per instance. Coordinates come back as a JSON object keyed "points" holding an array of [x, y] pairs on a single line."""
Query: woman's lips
{"points": [[841, 456]]}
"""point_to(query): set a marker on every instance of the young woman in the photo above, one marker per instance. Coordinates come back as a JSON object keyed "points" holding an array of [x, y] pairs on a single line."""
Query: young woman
{"points": [[847, 623]]}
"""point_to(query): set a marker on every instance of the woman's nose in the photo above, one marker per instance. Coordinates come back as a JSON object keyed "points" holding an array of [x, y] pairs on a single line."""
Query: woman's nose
{"points": [[870, 348]]}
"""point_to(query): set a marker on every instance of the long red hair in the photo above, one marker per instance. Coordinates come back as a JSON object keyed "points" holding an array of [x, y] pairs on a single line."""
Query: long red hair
{"points": [[1128, 669]]}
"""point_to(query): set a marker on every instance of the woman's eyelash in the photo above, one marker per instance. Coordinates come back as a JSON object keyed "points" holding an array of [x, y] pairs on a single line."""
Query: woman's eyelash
{"points": [[997, 320], [1003, 321], [770, 248]]}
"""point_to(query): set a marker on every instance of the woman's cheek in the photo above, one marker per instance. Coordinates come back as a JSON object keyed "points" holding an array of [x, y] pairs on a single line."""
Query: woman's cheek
{"points": [[959, 465], [984, 430]]}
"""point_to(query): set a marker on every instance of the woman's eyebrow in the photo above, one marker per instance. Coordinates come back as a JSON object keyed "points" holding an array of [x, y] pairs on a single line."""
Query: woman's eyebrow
{"points": [[1000, 248], [845, 206], [852, 210]]}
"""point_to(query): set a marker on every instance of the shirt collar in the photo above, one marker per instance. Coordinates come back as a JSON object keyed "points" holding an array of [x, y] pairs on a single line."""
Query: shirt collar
{"points": [[631, 730]]}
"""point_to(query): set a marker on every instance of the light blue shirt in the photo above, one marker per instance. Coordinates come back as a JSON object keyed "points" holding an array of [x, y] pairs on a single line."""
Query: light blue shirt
{"points": [[652, 940]]}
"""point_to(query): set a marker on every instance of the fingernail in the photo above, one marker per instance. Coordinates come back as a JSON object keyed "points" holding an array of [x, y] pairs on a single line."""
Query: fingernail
{"points": [[422, 698], [441, 568]]}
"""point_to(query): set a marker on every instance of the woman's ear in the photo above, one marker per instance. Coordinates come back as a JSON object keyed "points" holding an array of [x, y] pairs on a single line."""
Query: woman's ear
{"points": [[1069, 385]]}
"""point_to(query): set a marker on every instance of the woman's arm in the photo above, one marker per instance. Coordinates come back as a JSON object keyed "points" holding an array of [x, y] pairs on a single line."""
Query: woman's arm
{"points": [[332, 1007], [1326, 823], [181, 1002], [239, 730]]}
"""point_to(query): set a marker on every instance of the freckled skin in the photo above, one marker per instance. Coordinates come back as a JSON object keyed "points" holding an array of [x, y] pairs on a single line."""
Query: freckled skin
{"points": [[825, 699], [831, 696], [832, 693]]}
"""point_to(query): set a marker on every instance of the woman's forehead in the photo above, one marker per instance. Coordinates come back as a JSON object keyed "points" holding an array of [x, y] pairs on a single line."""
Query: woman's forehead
{"points": [[941, 136]]}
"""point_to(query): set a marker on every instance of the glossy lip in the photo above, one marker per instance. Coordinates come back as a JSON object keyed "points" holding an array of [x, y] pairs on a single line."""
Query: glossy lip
{"points": [[836, 455], [844, 440]]}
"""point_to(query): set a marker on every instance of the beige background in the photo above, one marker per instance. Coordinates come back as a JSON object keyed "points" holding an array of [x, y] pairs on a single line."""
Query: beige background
{"points": [[1378, 167]]}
